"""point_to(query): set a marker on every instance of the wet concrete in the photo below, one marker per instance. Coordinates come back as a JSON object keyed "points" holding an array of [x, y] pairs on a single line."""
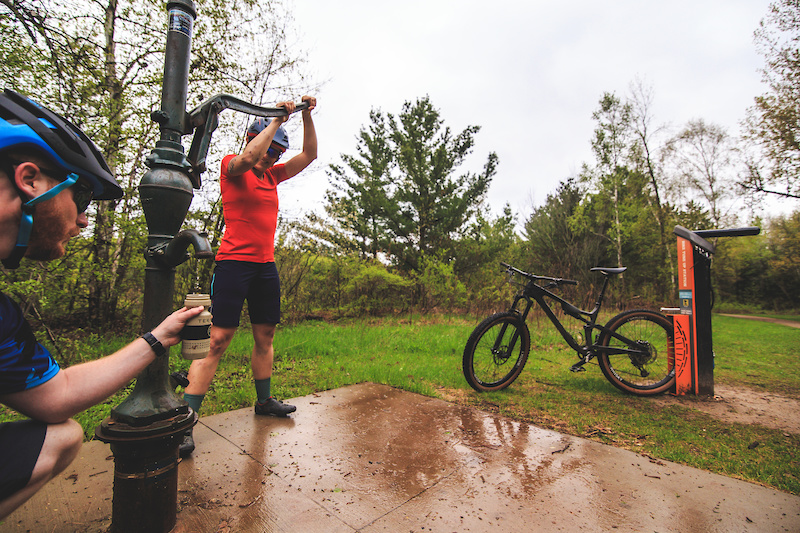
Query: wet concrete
{"points": [[373, 458]]}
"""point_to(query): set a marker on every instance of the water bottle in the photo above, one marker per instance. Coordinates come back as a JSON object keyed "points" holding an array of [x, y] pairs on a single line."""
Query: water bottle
{"points": [[196, 334]]}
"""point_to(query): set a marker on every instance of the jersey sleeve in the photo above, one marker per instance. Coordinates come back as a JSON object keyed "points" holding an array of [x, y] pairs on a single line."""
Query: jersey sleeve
{"points": [[24, 362]]}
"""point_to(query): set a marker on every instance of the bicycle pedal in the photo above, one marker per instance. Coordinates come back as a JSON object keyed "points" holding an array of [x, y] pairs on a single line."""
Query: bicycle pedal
{"points": [[179, 378], [577, 367]]}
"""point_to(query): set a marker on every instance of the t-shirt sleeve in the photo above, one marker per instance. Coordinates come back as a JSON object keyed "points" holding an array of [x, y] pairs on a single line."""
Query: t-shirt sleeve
{"points": [[279, 171]]}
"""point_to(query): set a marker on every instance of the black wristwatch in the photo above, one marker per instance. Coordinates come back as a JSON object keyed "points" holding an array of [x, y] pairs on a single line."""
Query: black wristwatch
{"points": [[154, 344]]}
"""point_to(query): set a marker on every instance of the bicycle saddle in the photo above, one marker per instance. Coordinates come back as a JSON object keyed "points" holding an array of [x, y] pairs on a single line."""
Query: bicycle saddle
{"points": [[609, 270]]}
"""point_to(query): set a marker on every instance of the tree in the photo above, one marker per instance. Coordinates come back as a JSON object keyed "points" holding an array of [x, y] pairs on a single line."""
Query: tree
{"points": [[555, 246], [611, 145], [430, 205], [784, 283], [647, 163], [703, 159], [623, 196], [773, 123], [400, 194], [358, 200], [487, 241]]}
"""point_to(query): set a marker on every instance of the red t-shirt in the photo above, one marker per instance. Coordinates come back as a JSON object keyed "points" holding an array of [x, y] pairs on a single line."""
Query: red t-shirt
{"points": [[250, 208]]}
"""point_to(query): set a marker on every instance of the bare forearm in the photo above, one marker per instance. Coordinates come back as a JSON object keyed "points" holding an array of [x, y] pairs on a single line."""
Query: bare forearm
{"points": [[299, 162], [92, 382], [79, 387], [309, 136]]}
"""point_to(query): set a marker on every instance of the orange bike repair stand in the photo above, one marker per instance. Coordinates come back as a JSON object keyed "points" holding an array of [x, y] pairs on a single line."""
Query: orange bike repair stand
{"points": [[693, 348]]}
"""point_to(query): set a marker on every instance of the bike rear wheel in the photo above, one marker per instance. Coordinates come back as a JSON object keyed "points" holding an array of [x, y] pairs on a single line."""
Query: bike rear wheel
{"points": [[496, 352], [650, 368]]}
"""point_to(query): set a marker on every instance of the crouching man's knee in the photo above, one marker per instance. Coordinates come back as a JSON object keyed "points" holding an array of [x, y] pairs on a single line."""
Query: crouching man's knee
{"points": [[61, 445]]}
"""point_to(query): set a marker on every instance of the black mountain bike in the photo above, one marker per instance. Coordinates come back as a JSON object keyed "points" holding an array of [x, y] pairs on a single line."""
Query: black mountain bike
{"points": [[634, 349]]}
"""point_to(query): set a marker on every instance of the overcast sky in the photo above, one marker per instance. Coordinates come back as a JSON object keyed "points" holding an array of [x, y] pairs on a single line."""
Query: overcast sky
{"points": [[530, 73]]}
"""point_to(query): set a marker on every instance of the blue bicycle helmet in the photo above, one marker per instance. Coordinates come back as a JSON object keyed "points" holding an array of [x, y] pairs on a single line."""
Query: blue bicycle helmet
{"points": [[23, 122], [280, 138], [26, 124]]}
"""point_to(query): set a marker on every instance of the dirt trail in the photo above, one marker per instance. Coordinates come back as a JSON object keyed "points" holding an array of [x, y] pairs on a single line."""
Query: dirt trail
{"points": [[790, 323], [746, 406]]}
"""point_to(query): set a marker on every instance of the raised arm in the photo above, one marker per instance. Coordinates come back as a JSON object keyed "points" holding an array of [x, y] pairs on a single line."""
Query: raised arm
{"points": [[299, 162]]}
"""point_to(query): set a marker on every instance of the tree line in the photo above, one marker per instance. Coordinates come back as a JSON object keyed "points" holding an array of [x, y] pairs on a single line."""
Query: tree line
{"points": [[404, 227]]}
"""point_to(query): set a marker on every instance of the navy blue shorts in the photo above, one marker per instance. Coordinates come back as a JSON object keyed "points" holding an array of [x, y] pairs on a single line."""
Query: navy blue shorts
{"points": [[236, 281], [20, 445]]}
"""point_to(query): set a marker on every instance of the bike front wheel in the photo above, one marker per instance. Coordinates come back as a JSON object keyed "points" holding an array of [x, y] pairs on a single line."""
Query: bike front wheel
{"points": [[643, 363], [496, 352]]}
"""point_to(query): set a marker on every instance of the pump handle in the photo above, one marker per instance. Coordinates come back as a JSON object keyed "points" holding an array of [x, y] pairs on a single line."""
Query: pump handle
{"points": [[203, 120]]}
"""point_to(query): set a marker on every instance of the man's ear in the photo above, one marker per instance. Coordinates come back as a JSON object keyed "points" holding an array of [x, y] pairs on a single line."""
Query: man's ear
{"points": [[30, 180]]}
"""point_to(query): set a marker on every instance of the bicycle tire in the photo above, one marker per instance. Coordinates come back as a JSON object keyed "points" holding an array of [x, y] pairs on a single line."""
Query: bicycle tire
{"points": [[646, 375], [489, 363]]}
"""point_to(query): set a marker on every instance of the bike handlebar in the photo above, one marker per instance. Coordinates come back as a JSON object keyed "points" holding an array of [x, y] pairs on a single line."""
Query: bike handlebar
{"points": [[558, 281]]}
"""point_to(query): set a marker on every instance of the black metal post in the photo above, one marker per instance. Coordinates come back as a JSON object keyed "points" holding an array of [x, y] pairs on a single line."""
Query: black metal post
{"points": [[146, 429], [704, 358]]}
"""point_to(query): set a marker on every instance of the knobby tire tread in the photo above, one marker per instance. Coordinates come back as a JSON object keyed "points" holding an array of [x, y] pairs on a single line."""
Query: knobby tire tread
{"points": [[495, 371]]}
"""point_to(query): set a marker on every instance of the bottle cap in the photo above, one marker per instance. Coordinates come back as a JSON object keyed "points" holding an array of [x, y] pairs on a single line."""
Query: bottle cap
{"points": [[195, 299]]}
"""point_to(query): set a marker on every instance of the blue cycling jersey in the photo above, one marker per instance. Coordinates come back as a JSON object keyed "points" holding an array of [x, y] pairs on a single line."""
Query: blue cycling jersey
{"points": [[24, 363]]}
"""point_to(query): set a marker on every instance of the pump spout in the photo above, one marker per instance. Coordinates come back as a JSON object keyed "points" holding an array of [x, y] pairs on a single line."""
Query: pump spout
{"points": [[176, 252]]}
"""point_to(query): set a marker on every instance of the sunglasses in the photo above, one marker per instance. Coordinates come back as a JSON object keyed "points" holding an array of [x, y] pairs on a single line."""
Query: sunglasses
{"points": [[82, 195], [274, 153], [82, 192]]}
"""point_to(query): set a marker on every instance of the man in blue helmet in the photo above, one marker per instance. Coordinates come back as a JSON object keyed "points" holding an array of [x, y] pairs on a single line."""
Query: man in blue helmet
{"points": [[245, 262], [49, 173]]}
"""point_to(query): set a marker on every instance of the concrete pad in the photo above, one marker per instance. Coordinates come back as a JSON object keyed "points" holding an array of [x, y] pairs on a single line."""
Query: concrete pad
{"points": [[373, 458]]}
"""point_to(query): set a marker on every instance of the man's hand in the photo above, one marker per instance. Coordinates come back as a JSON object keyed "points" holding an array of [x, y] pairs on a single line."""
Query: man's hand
{"points": [[168, 332], [289, 106], [312, 102]]}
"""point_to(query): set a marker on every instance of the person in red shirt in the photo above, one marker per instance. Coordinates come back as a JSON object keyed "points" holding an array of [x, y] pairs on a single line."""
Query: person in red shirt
{"points": [[245, 262]]}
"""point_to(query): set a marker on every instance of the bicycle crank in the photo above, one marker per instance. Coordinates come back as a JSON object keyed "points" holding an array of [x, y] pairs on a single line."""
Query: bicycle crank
{"points": [[578, 367]]}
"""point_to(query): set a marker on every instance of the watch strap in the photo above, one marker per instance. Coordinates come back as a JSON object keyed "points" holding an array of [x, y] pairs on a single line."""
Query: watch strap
{"points": [[157, 347]]}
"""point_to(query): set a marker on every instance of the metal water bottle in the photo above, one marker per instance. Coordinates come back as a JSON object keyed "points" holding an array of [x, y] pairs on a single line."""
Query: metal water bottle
{"points": [[196, 334]]}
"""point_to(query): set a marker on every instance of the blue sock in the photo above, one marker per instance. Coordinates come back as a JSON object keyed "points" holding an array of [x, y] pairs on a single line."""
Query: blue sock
{"points": [[194, 401], [263, 387]]}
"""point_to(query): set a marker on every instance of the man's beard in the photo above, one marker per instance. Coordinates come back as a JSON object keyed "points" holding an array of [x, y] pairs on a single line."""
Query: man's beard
{"points": [[47, 235]]}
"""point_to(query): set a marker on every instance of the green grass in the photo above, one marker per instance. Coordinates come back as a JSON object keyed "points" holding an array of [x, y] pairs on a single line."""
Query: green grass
{"points": [[424, 356], [756, 354], [416, 356]]}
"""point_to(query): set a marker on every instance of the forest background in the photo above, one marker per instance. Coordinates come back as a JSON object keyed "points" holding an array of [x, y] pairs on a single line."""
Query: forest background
{"points": [[404, 228]]}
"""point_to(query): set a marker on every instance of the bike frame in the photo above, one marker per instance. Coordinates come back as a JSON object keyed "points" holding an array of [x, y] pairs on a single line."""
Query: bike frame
{"points": [[533, 292]]}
